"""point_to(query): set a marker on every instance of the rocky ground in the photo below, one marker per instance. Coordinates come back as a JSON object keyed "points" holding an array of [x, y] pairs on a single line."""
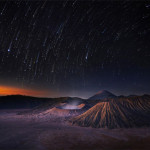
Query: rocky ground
{"points": [[28, 132]]}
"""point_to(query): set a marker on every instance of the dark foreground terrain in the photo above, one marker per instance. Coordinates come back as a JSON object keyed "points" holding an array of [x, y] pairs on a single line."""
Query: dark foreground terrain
{"points": [[28, 132]]}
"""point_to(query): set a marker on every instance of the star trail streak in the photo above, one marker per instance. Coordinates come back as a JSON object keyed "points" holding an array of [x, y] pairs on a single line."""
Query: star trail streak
{"points": [[75, 47]]}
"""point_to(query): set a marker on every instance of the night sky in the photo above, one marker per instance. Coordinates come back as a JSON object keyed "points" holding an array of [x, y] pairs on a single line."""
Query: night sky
{"points": [[75, 48]]}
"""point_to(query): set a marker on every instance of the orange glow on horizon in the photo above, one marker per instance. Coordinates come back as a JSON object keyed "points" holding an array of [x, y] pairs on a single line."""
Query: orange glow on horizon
{"points": [[8, 90]]}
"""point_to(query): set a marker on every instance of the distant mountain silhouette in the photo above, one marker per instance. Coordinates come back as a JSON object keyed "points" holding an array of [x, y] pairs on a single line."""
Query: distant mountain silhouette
{"points": [[20, 101], [102, 94]]}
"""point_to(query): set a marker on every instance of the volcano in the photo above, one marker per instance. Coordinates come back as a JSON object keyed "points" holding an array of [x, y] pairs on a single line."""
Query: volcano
{"points": [[62, 108], [117, 113], [102, 95]]}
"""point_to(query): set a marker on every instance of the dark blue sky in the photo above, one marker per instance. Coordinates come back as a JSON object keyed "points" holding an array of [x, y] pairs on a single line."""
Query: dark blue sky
{"points": [[76, 48]]}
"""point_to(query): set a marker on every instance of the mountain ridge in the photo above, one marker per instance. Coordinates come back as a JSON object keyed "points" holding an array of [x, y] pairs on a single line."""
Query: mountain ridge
{"points": [[101, 95], [124, 112]]}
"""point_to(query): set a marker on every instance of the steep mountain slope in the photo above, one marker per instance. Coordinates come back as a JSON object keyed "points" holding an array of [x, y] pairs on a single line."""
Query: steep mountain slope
{"points": [[117, 113], [102, 94]]}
